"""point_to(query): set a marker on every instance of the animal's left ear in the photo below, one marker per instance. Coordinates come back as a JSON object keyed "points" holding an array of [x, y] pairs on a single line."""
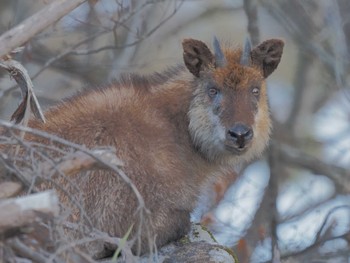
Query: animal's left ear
{"points": [[267, 55], [197, 56]]}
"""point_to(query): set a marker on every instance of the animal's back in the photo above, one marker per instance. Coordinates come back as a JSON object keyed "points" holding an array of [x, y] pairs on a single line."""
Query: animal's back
{"points": [[148, 131]]}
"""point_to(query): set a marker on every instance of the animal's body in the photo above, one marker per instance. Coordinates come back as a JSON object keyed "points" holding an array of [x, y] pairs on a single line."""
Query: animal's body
{"points": [[173, 132]]}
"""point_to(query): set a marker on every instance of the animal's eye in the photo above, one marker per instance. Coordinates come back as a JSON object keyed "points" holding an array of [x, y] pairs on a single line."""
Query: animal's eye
{"points": [[212, 92], [256, 91]]}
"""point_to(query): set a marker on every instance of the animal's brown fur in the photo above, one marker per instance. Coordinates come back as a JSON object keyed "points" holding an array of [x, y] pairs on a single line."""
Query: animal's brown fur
{"points": [[170, 133]]}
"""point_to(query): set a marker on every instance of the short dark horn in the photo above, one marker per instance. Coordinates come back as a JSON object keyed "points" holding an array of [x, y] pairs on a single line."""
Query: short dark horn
{"points": [[220, 59], [245, 57]]}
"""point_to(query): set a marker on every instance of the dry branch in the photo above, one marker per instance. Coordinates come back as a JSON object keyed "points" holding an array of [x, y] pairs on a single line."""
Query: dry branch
{"points": [[251, 10], [106, 164], [18, 212], [33, 25], [9, 189], [81, 161], [29, 100], [272, 195], [293, 156], [25, 251], [315, 246]]}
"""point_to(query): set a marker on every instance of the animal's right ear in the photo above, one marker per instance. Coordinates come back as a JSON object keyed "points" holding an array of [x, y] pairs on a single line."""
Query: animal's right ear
{"points": [[197, 56]]}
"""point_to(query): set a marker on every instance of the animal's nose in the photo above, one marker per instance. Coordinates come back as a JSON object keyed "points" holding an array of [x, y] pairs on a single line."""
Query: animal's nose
{"points": [[240, 134]]}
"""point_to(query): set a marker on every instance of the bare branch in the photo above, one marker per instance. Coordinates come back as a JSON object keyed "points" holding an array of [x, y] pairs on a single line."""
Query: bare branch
{"points": [[24, 251], [81, 148], [9, 189], [133, 43], [291, 155], [325, 221], [18, 212], [35, 24], [29, 100], [251, 10], [80, 161], [313, 246], [272, 193], [300, 78]]}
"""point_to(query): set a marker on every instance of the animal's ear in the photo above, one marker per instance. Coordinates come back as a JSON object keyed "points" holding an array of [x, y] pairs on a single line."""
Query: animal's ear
{"points": [[267, 55], [197, 56]]}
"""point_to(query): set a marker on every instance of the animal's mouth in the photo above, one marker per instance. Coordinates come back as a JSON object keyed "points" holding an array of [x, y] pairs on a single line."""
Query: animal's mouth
{"points": [[235, 148]]}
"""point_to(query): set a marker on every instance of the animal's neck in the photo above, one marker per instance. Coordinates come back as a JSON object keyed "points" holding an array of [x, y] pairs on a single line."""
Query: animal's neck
{"points": [[174, 100]]}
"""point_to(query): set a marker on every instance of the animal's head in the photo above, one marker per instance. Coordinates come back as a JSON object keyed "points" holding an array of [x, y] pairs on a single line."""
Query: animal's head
{"points": [[229, 114]]}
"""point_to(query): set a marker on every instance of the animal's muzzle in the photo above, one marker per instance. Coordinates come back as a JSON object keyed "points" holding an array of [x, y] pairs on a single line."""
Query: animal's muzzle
{"points": [[240, 135]]}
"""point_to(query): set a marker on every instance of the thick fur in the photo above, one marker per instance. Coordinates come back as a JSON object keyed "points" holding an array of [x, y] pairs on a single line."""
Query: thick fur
{"points": [[170, 135]]}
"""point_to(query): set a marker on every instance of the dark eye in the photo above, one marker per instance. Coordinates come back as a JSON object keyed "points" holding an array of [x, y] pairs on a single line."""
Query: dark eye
{"points": [[212, 92], [256, 91]]}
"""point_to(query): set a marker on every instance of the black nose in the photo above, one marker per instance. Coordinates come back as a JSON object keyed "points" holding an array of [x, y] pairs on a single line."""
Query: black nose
{"points": [[240, 134]]}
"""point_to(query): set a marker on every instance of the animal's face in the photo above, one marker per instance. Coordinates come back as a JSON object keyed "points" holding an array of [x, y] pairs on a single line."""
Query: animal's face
{"points": [[229, 112]]}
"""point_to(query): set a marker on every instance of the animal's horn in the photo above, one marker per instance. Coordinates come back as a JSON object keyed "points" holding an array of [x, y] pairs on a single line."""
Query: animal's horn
{"points": [[245, 57], [220, 59]]}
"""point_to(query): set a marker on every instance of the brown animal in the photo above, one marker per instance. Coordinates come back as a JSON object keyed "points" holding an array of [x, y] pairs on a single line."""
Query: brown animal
{"points": [[173, 131]]}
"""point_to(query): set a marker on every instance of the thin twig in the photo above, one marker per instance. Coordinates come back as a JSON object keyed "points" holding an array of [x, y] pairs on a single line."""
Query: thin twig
{"points": [[325, 221], [296, 157], [33, 25], [133, 43], [18, 212], [81, 148], [27, 252]]}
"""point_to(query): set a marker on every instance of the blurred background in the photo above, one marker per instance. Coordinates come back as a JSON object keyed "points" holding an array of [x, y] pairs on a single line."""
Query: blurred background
{"points": [[294, 203]]}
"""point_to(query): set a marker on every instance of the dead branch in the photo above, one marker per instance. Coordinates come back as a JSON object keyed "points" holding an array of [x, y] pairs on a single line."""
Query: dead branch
{"points": [[322, 230], [251, 10], [133, 43], [300, 79], [344, 9], [56, 139], [68, 165], [9, 189], [110, 243], [23, 250], [293, 156], [315, 245], [305, 211], [295, 254], [74, 51], [29, 100], [33, 25], [262, 215], [27, 252], [80, 161], [18, 212], [65, 53], [272, 193]]}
